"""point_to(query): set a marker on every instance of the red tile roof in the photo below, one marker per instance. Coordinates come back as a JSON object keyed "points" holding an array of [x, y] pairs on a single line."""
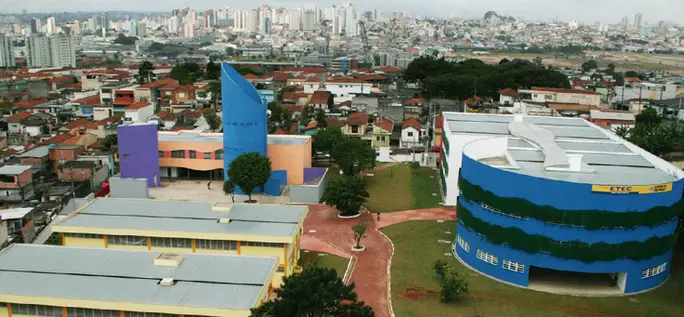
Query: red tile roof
{"points": [[28, 104], [314, 70], [414, 101], [18, 95], [472, 100], [78, 86], [320, 97], [311, 125], [162, 114], [57, 139], [313, 80], [294, 95], [293, 128], [413, 123], [77, 123], [332, 122], [123, 101], [281, 76], [345, 80], [384, 124], [508, 92], [250, 76], [60, 79], [280, 132], [89, 101], [138, 105], [357, 118], [390, 69], [19, 116], [158, 83], [565, 91]]}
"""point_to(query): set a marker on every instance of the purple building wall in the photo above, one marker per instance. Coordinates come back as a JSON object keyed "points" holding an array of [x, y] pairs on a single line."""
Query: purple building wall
{"points": [[139, 152]]}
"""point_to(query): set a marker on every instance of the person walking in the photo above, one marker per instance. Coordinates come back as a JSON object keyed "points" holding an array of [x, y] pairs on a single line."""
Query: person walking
{"points": [[209, 186]]}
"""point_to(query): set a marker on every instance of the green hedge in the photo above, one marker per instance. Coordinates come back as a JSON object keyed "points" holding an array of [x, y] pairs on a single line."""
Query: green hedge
{"points": [[589, 219], [533, 243]]}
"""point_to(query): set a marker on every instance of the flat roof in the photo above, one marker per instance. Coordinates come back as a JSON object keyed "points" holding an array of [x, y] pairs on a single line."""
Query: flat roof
{"points": [[36, 152], [606, 158], [15, 213], [174, 217], [14, 169], [126, 276], [288, 139]]}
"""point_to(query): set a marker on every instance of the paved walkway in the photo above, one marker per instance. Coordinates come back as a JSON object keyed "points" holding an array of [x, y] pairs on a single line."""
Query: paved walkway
{"points": [[324, 231], [391, 218]]}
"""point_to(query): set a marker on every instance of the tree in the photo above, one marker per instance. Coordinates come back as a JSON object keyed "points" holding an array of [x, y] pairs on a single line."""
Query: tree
{"points": [[110, 142], [649, 116], [451, 283], [230, 51], [229, 189], [213, 71], [307, 114], [212, 119], [426, 66], [326, 139], [610, 70], [6, 106], [353, 156], [214, 88], [316, 292], [347, 194], [631, 73], [145, 73], [359, 230], [186, 73], [125, 40], [320, 119], [249, 171], [589, 65], [623, 131], [538, 61]]}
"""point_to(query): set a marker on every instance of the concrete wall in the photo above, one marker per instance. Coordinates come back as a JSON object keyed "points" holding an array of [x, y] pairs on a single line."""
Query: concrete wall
{"points": [[139, 152], [310, 194], [128, 187], [3, 235]]}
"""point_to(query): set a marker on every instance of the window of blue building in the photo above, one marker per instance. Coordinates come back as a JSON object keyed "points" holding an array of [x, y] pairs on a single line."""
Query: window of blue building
{"points": [[489, 258]]}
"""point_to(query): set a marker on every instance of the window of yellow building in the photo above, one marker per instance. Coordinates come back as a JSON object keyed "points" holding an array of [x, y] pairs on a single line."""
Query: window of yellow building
{"points": [[171, 242], [127, 240], [215, 245]]}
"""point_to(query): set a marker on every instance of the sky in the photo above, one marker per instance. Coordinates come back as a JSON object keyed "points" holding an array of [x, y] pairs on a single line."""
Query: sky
{"points": [[587, 11]]}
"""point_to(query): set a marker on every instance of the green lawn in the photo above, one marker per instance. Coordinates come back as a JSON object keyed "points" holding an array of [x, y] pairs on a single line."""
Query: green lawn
{"points": [[308, 259], [400, 187], [415, 290]]}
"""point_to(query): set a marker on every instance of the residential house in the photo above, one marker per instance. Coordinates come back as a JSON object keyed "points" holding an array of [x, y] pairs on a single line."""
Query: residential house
{"points": [[412, 133], [183, 98], [298, 98], [336, 123], [312, 84], [60, 82], [151, 92], [561, 95], [322, 99], [62, 153], [122, 99], [612, 119], [100, 157], [345, 88], [38, 156], [356, 125], [16, 183], [17, 96], [17, 225], [103, 128], [4, 233], [571, 109], [3, 142], [507, 97], [89, 172], [140, 111], [35, 126], [75, 127], [32, 105], [15, 123], [382, 132]]}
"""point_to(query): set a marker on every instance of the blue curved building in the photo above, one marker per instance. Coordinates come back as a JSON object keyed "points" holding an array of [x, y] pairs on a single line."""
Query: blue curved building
{"points": [[544, 201], [244, 117]]}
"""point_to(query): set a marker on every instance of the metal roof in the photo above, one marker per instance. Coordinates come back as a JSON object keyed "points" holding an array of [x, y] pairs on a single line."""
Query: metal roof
{"points": [[202, 280], [188, 217], [14, 169], [287, 139], [37, 152]]}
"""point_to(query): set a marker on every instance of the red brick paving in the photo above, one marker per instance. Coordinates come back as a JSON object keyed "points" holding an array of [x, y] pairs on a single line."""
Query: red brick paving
{"points": [[370, 275], [391, 218]]}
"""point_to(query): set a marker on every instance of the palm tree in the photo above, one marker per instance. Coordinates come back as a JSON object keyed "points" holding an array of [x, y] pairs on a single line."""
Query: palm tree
{"points": [[623, 131]]}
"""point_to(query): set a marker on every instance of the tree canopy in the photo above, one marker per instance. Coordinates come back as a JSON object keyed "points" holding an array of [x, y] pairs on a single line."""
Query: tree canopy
{"points": [[347, 194], [249, 171], [212, 119], [125, 40], [441, 78], [316, 292], [186, 73], [589, 65], [146, 73], [326, 139], [110, 142], [213, 71], [353, 156], [279, 118]]}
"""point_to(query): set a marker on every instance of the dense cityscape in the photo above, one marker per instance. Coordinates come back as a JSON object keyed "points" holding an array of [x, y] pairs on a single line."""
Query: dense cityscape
{"points": [[334, 160]]}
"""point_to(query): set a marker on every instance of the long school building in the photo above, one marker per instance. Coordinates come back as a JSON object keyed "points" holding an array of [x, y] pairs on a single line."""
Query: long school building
{"points": [[53, 281], [189, 227]]}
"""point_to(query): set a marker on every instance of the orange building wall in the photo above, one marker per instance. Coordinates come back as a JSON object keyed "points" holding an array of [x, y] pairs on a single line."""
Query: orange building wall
{"points": [[199, 163], [292, 158]]}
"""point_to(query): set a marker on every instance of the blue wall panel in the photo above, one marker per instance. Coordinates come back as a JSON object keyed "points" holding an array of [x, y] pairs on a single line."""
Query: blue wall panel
{"points": [[569, 233], [559, 194], [633, 268], [274, 184]]}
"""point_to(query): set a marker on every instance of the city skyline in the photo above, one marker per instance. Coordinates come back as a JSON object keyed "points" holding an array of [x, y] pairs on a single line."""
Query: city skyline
{"points": [[609, 11]]}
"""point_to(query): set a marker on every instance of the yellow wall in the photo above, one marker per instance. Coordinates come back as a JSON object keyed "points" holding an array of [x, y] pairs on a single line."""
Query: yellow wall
{"points": [[4, 312], [264, 251], [205, 251], [437, 136], [277, 281], [127, 247], [83, 243], [171, 250], [198, 163], [362, 130]]}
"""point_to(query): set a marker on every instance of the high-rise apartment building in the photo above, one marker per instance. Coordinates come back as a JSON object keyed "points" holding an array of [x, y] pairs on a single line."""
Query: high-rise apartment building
{"points": [[296, 20], [638, 20], [51, 51], [350, 21], [92, 24], [6, 51], [308, 20], [141, 30], [36, 27], [51, 26], [73, 27]]}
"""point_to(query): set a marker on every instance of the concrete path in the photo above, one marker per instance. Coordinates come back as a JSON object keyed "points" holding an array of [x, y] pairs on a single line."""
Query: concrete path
{"points": [[391, 218], [370, 274]]}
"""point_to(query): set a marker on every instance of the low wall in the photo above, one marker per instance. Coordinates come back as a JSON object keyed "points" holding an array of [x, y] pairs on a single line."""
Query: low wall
{"points": [[128, 187], [312, 191]]}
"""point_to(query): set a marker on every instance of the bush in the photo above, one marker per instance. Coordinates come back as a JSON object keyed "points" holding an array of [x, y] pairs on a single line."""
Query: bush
{"points": [[415, 165], [451, 283]]}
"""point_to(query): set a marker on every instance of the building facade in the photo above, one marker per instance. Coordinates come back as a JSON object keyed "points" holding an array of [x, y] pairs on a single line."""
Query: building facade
{"points": [[541, 197], [6, 52], [50, 51]]}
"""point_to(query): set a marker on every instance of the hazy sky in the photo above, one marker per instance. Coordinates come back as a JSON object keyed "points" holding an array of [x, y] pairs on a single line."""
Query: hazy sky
{"points": [[582, 10]]}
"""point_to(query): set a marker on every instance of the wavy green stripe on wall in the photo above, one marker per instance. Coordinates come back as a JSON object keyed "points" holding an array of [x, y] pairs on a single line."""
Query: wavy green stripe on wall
{"points": [[589, 219], [532, 243]]}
